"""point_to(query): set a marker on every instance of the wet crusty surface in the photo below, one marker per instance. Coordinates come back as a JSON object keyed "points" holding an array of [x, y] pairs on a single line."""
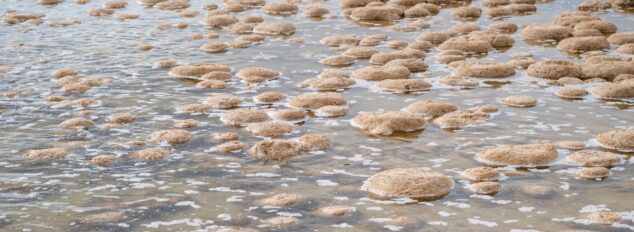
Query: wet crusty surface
{"points": [[196, 184]]}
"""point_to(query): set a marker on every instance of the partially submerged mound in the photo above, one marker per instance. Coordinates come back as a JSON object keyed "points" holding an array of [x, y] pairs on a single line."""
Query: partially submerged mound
{"points": [[572, 92], [553, 69], [197, 70], [280, 8], [617, 139], [332, 111], [223, 101], [315, 141], [376, 13], [622, 89], [590, 158], [485, 69], [47, 153], [413, 64], [462, 82], [481, 174], [238, 117], [413, 183], [76, 123], [386, 123], [218, 21], [277, 149], [519, 101], [270, 129], [604, 217], [338, 60], [466, 45], [257, 74], [461, 118], [583, 44], [606, 67], [281, 200], [485, 188], [621, 38], [379, 73], [231, 146], [594, 172], [403, 85], [335, 211], [327, 83], [467, 12], [274, 28], [150, 154], [529, 155], [269, 97], [173, 136], [430, 108], [361, 52], [313, 101], [546, 32], [293, 115]]}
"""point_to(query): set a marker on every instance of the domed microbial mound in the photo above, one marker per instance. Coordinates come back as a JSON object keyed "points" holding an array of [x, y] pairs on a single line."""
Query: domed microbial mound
{"points": [[277, 149], [461, 82], [197, 70], [290, 115], [223, 101], [571, 145], [386, 123], [382, 58], [103, 160], [274, 28], [280, 8], [413, 64], [165, 64], [621, 38], [315, 141], [604, 217], [519, 101], [485, 69], [583, 44], [76, 123], [270, 129], [485, 188], [48, 153], [282, 221], [617, 139], [376, 13], [413, 183], [121, 118], [546, 32], [226, 136], [503, 27], [173, 136], [593, 172], [332, 111], [239, 117], [622, 89], [461, 118], [338, 61], [361, 52], [269, 97], [150, 154], [590, 158], [403, 85], [572, 92], [340, 40], [467, 12], [529, 155], [430, 108], [327, 83], [218, 21], [481, 174], [604, 27], [195, 108], [466, 45], [281, 200], [606, 67], [212, 84], [335, 211], [215, 47], [553, 69], [231, 146], [313, 101], [593, 5], [316, 12], [257, 74], [379, 73], [626, 48]]}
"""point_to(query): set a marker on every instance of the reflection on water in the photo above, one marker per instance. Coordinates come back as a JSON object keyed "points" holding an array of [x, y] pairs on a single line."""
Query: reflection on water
{"points": [[198, 188]]}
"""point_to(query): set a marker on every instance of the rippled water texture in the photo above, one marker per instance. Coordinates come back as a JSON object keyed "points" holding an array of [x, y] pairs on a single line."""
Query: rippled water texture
{"points": [[200, 189]]}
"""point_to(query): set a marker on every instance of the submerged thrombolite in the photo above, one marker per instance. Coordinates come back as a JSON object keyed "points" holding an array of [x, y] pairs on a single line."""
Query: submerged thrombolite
{"points": [[289, 115]]}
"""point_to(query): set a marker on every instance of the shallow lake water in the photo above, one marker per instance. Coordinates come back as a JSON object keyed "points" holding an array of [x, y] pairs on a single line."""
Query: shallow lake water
{"points": [[199, 189]]}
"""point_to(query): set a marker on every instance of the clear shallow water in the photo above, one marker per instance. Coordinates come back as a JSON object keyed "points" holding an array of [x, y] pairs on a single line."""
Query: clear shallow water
{"points": [[197, 189]]}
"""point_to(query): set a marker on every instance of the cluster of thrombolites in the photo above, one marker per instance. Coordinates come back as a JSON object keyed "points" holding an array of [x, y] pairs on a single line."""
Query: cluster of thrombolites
{"points": [[276, 118]]}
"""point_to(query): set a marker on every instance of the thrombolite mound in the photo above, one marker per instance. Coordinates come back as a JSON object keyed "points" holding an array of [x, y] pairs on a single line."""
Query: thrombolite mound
{"points": [[386, 123], [553, 69], [219, 21], [604, 217], [277, 149], [231, 146], [571, 145], [466, 45], [332, 111], [223, 101], [485, 69], [413, 64], [572, 92], [485, 188], [519, 101], [461, 82], [103, 160], [466, 12], [197, 70], [335, 210], [257, 74], [281, 200], [47, 153], [274, 28], [383, 58], [315, 141], [292, 115], [313, 101], [173, 136], [413, 183], [270, 129], [76, 123], [338, 60], [237, 117], [591, 158], [379, 73], [462, 118], [327, 83], [604, 27], [269, 97], [430, 108], [340, 40], [621, 38], [280, 8], [583, 44], [593, 172], [361, 52], [150, 154], [529, 155], [617, 139], [376, 13], [481, 174], [622, 89], [403, 85], [546, 32], [606, 67]]}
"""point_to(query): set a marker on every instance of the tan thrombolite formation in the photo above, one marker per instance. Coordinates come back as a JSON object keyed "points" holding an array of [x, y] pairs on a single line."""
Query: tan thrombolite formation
{"points": [[530, 155], [239, 117], [416, 183], [519, 101], [386, 123], [172, 137], [485, 69], [590, 158], [277, 149], [313, 101], [468, 117], [617, 139], [430, 108]]}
